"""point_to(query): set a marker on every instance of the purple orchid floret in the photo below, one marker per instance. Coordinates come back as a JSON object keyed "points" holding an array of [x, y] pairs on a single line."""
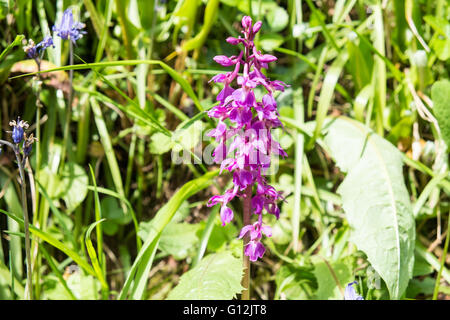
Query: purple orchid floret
{"points": [[350, 293], [245, 145], [68, 29]]}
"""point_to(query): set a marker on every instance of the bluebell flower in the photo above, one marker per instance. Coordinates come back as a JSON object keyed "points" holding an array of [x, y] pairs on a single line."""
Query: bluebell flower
{"points": [[33, 51], [68, 29], [18, 129], [44, 44], [350, 293], [28, 145]]}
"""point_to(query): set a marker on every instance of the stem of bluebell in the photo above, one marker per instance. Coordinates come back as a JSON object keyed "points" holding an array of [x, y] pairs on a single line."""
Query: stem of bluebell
{"points": [[67, 139], [246, 259], [29, 284], [38, 132]]}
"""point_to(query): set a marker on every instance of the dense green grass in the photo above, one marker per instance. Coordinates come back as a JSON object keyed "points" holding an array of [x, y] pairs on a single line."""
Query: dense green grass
{"points": [[113, 217]]}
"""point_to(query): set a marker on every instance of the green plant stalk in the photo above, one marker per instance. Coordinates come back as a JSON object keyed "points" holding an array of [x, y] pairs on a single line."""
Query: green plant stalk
{"points": [[444, 255], [20, 163], [247, 205], [38, 134], [67, 138]]}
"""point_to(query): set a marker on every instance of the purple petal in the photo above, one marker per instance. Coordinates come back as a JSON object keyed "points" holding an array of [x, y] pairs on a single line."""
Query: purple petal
{"points": [[224, 61], [254, 250], [218, 78], [266, 58], [226, 215], [246, 22], [245, 230], [258, 203], [267, 230], [226, 91], [257, 26], [233, 41], [350, 293]]}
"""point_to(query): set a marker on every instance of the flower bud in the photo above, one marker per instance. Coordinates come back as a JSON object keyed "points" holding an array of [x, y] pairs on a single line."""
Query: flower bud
{"points": [[224, 61], [233, 41], [246, 22], [257, 26]]}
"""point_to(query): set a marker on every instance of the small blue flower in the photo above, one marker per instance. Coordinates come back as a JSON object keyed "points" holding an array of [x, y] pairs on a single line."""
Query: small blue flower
{"points": [[68, 29], [44, 44], [27, 146], [33, 51], [350, 293], [18, 129]]}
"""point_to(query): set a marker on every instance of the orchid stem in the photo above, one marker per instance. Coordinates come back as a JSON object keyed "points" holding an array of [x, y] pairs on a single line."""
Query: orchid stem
{"points": [[246, 259]]}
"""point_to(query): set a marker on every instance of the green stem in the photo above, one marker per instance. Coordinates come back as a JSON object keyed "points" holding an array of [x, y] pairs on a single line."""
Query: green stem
{"points": [[69, 107], [20, 163], [443, 258], [29, 286]]}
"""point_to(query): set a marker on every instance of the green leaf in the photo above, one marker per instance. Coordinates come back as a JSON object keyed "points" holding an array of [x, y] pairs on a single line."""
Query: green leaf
{"points": [[270, 41], [440, 94], [332, 277], [114, 215], [93, 255], [17, 42], [179, 239], [278, 19], [295, 282], [375, 200], [217, 277], [73, 184], [160, 143], [144, 258], [84, 287], [55, 243]]}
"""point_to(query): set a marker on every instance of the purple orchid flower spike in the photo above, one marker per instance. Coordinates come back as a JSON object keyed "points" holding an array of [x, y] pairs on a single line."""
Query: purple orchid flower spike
{"points": [[243, 134], [350, 293], [68, 29]]}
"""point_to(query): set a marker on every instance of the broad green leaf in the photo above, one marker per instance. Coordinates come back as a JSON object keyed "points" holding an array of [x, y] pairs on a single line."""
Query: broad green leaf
{"points": [[277, 18], [440, 94], [114, 215], [84, 287], [375, 200], [270, 41], [160, 143], [221, 235], [217, 277], [179, 239], [73, 185]]}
